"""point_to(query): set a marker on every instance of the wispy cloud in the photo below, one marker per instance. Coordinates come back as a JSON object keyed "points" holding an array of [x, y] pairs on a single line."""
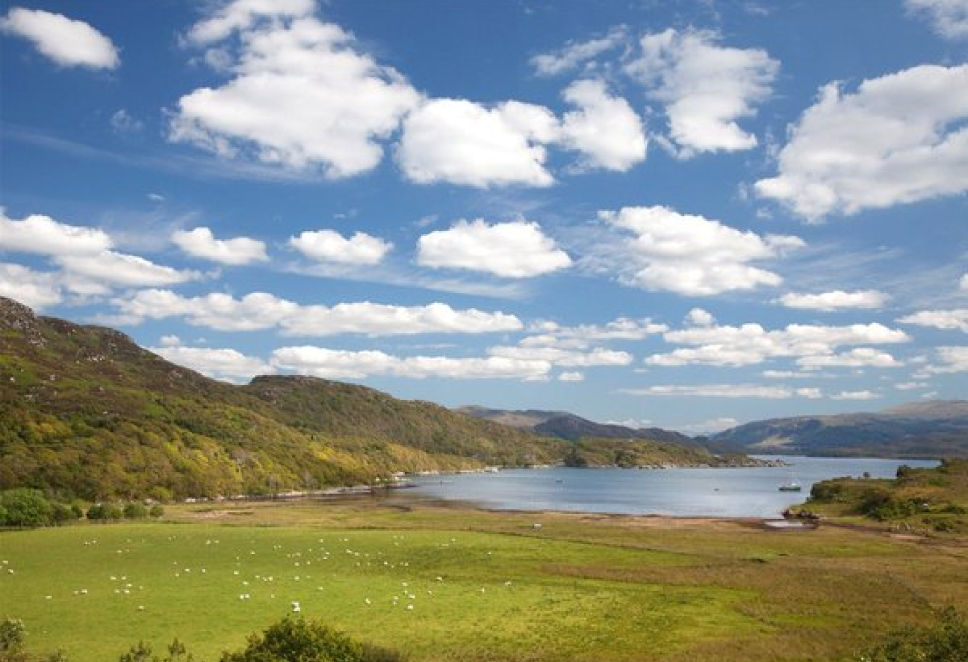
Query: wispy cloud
{"points": [[168, 162]]}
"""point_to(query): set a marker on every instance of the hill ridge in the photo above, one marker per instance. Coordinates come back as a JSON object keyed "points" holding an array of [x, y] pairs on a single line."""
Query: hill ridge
{"points": [[938, 428], [85, 411]]}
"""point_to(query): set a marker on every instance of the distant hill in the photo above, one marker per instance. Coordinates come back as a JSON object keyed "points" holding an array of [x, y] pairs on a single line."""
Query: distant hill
{"points": [[571, 427], [526, 419], [85, 412], [923, 429]]}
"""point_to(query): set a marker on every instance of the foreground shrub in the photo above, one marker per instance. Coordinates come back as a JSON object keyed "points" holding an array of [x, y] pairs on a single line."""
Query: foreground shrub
{"points": [[946, 641], [13, 644], [13, 637], [142, 653], [299, 640]]}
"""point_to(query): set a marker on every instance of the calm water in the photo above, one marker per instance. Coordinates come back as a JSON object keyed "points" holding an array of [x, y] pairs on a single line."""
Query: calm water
{"points": [[739, 492]]}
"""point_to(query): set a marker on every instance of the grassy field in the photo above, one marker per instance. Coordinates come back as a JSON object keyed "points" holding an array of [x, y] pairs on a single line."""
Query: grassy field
{"points": [[451, 584]]}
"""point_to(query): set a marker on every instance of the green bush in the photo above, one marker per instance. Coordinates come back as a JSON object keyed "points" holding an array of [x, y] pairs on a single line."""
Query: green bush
{"points": [[156, 511], [142, 653], [882, 504], [60, 513], [13, 637], [135, 510], [946, 641], [13, 644], [828, 490], [299, 640], [25, 508]]}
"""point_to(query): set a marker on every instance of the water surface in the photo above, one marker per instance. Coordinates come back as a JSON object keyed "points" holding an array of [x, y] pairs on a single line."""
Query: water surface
{"points": [[687, 492]]}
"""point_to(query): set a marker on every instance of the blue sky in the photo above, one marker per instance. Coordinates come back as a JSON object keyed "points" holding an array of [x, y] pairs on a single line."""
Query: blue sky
{"points": [[682, 214]]}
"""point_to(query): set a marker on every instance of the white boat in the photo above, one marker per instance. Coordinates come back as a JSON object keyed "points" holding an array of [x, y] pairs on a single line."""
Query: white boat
{"points": [[791, 485]]}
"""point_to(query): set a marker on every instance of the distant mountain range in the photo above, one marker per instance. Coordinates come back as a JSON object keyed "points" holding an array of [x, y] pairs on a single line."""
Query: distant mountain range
{"points": [[921, 429], [568, 426], [937, 428]]}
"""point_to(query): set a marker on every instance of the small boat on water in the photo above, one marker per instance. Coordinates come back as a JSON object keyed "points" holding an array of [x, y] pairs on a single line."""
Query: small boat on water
{"points": [[791, 485]]}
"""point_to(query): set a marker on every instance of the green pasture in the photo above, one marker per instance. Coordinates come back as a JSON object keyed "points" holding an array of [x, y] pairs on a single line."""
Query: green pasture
{"points": [[443, 584]]}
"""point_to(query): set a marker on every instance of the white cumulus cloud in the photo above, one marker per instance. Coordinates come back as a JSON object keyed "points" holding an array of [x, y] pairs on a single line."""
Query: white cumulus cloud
{"points": [[387, 320], [222, 312], [84, 254], [551, 334], [225, 364], [690, 254], [68, 42], [952, 359], [302, 94], [331, 246], [516, 249], [855, 395], [706, 87], [200, 242], [948, 320], [570, 358], [604, 128], [37, 289], [897, 139], [700, 317], [260, 310], [751, 344], [242, 14], [345, 364], [42, 235], [859, 357], [726, 391], [120, 269], [462, 142], [949, 18], [835, 300]]}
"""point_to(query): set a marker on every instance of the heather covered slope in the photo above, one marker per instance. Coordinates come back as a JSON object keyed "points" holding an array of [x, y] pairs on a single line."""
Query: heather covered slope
{"points": [[86, 412]]}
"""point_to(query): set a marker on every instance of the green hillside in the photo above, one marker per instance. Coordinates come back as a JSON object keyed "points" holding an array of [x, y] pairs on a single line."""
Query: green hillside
{"points": [[85, 412], [931, 499], [643, 453]]}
